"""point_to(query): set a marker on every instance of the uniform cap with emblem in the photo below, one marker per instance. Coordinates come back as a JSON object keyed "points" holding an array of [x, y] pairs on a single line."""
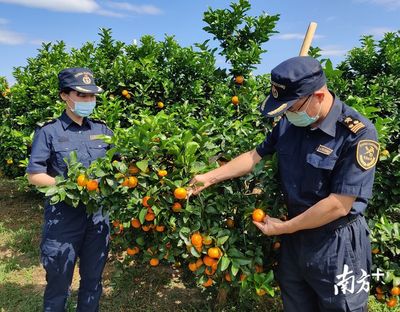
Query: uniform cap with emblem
{"points": [[291, 80], [78, 79]]}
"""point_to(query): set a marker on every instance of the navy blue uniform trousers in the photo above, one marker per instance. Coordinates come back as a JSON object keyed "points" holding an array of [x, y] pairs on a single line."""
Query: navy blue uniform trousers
{"points": [[69, 233], [311, 261]]}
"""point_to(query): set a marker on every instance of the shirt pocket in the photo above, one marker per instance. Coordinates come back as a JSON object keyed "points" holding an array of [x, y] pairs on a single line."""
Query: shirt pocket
{"points": [[63, 150], [318, 173], [97, 149]]}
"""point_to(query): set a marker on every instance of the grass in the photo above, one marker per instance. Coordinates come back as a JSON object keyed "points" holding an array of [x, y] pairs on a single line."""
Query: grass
{"points": [[137, 288]]}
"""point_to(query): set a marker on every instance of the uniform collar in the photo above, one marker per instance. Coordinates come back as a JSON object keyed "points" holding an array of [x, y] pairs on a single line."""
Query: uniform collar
{"points": [[66, 121], [328, 125]]}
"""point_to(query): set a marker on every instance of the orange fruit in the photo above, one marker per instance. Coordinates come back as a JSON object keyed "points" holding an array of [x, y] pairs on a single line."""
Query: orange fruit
{"points": [[176, 207], [392, 302], [228, 277], [132, 251], [119, 228], [192, 266], [259, 268], [197, 240], [92, 185], [160, 104], [379, 290], [375, 251], [235, 100], [209, 270], [180, 193], [125, 182], [128, 96], [125, 92], [133, 169], [199, 263], [395, 291], [214, 252], [208, 283], [150, 216], [162, 173], [154, 261], [276, 245], [135, 223], [207, 240], [385, 153], [258, 215], [242, 277], [230, 223], [10, 161], [239, 79], [132, 182], [145, 201], [82, 180], [208, 261], [260, 292], [160, 228], [145, 228], [115, 223]]}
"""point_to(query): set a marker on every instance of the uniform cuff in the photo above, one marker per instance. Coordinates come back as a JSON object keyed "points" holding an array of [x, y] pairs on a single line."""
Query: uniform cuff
{"points": [[355, 190]]}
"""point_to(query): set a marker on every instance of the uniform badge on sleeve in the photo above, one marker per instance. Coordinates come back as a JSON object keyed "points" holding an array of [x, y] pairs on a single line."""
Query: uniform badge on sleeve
{"points": [[367, 153]]}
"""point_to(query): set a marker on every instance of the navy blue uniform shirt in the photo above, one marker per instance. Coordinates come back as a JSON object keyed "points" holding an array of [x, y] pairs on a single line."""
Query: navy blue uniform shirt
{"points": [[332, 158], [57, 139]]}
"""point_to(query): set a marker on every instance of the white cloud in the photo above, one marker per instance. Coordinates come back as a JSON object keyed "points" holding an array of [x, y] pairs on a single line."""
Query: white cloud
{"points": [[3, 21], [379, 31], [333, 51], [87, 6], [77, 6], [9, 37], [388, 4], [294, 36], [138, 9]]}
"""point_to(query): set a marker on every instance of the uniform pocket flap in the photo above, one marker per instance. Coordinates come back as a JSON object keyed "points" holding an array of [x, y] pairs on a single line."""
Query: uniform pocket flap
{"points": [[321, 162], [64, 147]]}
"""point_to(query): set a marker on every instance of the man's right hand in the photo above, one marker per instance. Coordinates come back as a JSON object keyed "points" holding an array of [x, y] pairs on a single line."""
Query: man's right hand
{"points": [[199, 183]]}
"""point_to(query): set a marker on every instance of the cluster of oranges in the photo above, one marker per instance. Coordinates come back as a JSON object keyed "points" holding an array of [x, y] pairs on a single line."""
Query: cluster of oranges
{"points": [[84, 181], [392, 300], [209, 260], [239, 81], [126, 94]]}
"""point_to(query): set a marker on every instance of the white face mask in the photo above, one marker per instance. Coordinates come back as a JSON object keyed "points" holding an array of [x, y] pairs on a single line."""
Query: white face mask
{"points": [[302, 119]]}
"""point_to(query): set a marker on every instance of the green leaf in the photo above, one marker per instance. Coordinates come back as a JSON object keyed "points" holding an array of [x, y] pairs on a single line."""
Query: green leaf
{"points": [[143, 165], [234, 269], [142, 215], [222, 240], [52, 190], [225, 263]]}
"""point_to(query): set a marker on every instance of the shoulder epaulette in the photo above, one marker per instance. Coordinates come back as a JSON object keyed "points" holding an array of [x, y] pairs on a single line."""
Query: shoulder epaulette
{"points": [[353, 124], [45, 123], [98, 121]]}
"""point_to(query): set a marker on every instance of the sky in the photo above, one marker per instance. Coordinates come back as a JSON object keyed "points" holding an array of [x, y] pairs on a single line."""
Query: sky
{"points": [[25, 24]]}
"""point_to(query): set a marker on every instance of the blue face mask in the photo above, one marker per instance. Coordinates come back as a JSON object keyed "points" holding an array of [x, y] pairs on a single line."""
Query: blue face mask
{"points": [[84, 109], [302, 119]]}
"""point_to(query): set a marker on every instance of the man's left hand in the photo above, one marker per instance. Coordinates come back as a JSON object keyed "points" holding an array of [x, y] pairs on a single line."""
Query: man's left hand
{"points": [[271, 226]]}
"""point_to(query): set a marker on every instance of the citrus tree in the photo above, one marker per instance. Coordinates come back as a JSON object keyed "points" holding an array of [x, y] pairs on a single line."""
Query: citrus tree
{"points": [[175, 114]]}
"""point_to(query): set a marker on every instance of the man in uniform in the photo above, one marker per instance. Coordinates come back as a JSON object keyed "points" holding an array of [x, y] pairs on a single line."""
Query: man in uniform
{"points": [[69, 232], [327, 154]]}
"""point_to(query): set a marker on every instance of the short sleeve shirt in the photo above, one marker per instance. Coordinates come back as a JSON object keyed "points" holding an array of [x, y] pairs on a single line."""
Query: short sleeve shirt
{"points": [[54, 142], [338, 156]]}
